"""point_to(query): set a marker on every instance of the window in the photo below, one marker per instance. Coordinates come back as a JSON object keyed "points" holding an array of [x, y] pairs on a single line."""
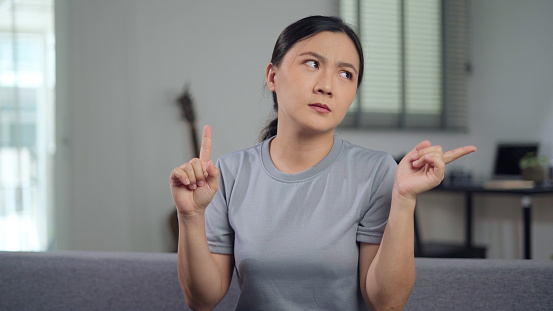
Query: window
{"points": [[26, 123], [415, 64]]}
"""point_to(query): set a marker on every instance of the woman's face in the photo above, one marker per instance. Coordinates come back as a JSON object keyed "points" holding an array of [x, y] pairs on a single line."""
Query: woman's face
{"points": [[316, 82]]}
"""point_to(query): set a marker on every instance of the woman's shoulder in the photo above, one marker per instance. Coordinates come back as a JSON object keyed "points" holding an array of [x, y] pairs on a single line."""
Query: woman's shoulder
{"points": [[235, 159], [366, 162], [360, 153]]}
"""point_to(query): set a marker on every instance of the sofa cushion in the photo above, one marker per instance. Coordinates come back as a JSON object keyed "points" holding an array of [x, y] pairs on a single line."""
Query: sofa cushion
{"points": [[93, 281]]}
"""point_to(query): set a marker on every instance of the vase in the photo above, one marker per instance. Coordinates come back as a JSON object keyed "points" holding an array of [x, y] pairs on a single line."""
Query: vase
{"points": [[536, 174]]}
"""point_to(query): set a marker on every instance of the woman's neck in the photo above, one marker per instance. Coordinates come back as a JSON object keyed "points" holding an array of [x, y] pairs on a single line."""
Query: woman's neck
{"points": [[296, 153]]}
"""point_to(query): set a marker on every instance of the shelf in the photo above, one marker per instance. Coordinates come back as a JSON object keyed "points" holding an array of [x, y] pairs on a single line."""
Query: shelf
{"points": [[450, 250]]}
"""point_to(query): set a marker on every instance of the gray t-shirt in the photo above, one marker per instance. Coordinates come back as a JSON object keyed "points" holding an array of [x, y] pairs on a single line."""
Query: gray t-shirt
{"points": [[295, 236]]}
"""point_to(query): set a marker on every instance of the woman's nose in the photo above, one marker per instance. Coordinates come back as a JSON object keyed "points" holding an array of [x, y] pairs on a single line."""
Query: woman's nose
{"points": [[324, 85], [325, 91]]}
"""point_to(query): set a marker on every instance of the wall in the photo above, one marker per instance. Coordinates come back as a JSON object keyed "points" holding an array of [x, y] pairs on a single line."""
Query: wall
{"points": [[511, 46], [511, 99], [121, 64]]}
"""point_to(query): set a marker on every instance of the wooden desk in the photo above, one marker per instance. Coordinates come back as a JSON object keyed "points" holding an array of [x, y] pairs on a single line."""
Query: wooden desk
{"points": [[525, 202]]}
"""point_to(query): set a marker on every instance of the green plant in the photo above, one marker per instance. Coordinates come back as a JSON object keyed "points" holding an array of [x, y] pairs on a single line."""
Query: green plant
{"points": [[531, 160]]}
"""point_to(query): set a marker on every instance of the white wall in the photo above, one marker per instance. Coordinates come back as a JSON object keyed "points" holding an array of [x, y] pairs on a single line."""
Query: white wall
{"points": [[511, 99], [121, 64]]}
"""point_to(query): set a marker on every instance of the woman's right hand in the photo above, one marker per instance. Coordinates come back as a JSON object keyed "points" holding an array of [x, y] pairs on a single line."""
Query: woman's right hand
{"points": [[194, 184]]}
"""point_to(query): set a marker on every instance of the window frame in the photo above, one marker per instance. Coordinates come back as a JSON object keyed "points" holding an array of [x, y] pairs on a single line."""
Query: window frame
{"points": [[455, 68]]}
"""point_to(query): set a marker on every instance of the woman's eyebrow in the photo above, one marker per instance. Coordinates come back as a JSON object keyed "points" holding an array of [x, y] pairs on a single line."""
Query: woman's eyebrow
{"points": [[324, 60], [344, 64]]}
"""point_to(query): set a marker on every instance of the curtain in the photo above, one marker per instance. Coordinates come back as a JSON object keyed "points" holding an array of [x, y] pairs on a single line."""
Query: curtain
{"points": [[26, 123], [416, 64]]}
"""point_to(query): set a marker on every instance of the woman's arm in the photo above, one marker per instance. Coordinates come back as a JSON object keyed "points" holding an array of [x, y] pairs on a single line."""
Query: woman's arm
{"points": [[204, 277], [388, 270]]}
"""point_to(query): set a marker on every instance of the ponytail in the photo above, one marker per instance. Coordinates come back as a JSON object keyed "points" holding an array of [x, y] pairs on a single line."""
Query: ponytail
{"points": [[271, 129]]}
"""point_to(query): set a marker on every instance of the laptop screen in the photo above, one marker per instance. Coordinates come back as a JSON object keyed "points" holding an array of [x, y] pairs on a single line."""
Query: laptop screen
{"points": [[508, 156]]}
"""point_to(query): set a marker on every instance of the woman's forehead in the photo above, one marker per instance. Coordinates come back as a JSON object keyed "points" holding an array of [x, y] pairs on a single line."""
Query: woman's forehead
{"points": [[336, 46]]}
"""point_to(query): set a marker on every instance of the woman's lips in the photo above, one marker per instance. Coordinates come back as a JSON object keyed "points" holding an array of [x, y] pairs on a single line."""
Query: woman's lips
{"points": [[320, 107]]}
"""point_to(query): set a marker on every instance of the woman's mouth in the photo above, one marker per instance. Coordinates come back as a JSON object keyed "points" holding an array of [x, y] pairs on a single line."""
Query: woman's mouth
{"points": [[322, 108]]}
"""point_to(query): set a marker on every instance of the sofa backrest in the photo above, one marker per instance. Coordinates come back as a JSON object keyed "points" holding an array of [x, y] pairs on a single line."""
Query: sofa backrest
{"points": [[482, 284], [148, 281], [93, 281]]}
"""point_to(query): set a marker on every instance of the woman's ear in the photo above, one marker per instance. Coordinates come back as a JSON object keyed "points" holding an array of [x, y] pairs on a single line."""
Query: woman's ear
{"points": [[270, 75]]}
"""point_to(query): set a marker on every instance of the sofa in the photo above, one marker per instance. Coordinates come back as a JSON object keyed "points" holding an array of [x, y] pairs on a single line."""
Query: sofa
{"points": [[77, 280]]}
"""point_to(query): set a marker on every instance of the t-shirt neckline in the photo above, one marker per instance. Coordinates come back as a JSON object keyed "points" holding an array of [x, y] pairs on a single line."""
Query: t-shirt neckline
{"points": [[310, 172]]}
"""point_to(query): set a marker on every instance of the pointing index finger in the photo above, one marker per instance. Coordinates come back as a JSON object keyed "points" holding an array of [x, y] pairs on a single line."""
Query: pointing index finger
{"points": [[205, 150], [455, 154]]}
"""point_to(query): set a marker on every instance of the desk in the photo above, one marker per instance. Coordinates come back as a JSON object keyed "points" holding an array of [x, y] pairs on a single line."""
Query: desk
{"points": [[526, 205]]}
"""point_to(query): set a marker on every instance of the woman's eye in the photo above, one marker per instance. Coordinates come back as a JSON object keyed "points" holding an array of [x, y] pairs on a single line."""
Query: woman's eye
{"points": [[346, 75], [312, 64]]}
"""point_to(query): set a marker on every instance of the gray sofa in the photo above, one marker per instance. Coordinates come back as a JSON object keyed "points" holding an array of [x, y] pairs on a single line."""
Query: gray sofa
{"points": [[148, 281]]}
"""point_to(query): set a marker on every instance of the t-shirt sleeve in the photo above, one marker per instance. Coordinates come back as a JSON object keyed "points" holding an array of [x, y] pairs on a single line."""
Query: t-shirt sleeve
{"points": [[220, 235], [375, 216]]}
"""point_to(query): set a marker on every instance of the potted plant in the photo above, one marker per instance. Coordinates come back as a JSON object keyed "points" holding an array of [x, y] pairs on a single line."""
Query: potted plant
{"points": [[532, 167]]}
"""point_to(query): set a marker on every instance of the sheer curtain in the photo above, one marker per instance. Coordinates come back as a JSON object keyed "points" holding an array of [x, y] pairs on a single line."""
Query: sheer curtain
{"points": [[26, 123]]}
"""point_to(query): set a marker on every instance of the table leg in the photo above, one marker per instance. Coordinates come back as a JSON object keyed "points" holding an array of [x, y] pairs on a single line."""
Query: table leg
{"points": [[419, 251], [526, 203], [468, 219]]}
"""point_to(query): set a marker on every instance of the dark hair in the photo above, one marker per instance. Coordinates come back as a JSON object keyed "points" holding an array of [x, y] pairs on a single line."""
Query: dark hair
{"points": [[301, 30]]}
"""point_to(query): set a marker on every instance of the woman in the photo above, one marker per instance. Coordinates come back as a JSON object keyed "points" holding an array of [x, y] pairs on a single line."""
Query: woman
{"points": [[309, 220]]}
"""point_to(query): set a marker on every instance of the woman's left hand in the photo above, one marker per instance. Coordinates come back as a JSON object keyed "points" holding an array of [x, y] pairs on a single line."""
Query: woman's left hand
{"points": [[423, 168]]}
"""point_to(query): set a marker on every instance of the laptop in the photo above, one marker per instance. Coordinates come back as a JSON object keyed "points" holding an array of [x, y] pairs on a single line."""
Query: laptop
{"points": [[506, 173]]}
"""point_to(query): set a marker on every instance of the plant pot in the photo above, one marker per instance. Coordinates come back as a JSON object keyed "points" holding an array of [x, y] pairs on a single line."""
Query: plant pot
{"points": [[536, 174]]}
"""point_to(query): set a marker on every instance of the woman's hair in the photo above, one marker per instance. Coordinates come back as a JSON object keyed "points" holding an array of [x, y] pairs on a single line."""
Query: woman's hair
{"points": [[303, 29]]}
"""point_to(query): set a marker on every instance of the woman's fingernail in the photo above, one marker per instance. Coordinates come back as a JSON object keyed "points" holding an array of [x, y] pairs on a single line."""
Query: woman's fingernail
{"points": [[415, 163], [415, 155], [200, 183], [187, 182], [193, 187]]}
